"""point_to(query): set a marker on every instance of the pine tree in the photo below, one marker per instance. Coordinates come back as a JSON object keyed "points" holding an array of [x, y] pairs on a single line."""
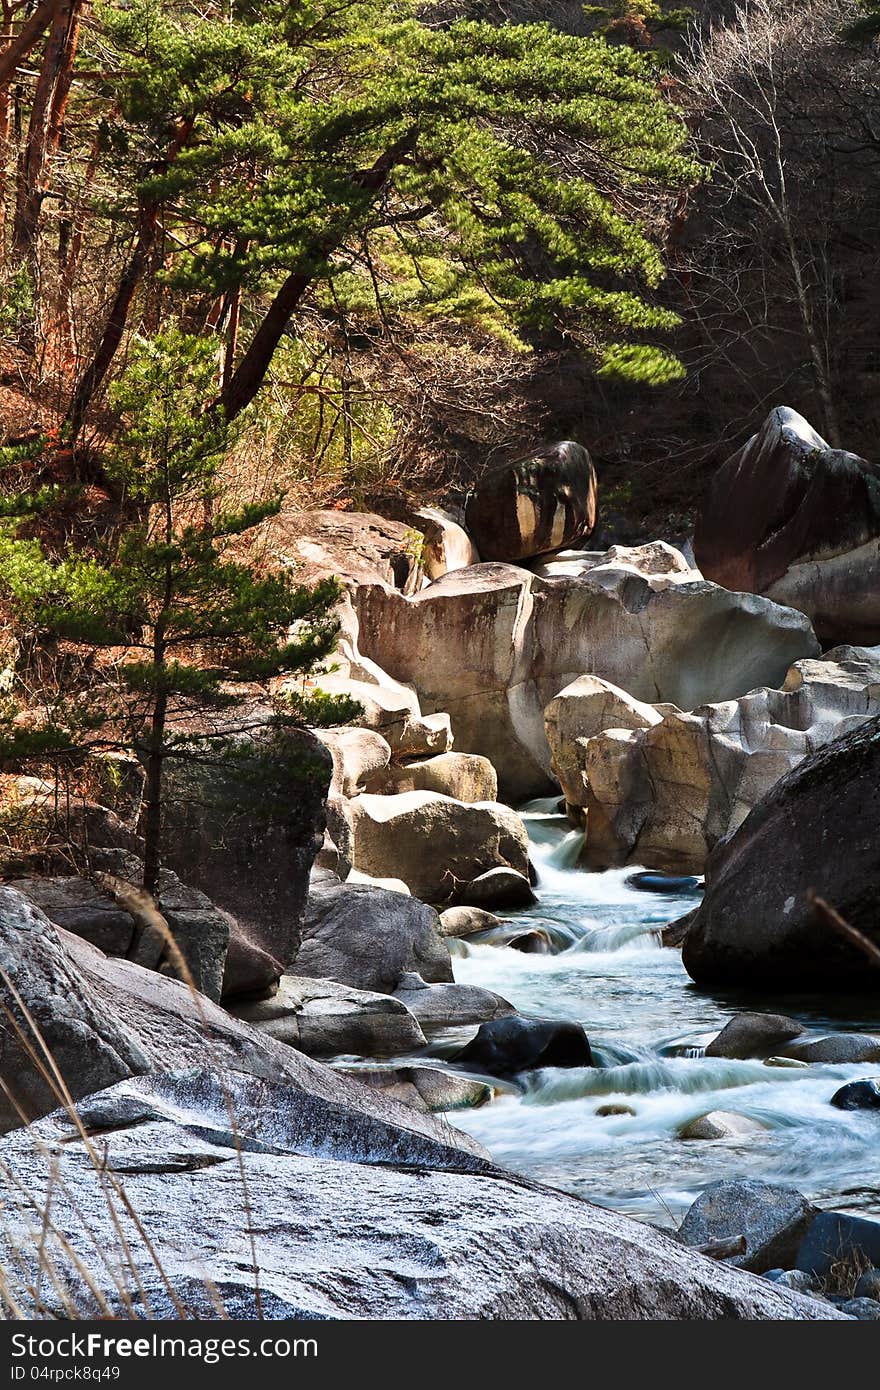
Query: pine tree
{"points": [[512, 171], [174, 628]]}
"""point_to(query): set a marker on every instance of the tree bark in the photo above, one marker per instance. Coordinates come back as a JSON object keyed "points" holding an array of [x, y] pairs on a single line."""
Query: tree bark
{"points": [[28, 37]]}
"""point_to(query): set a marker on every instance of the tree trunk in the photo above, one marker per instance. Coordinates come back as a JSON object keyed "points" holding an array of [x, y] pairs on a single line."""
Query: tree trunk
{"points": [[28, 37], [152, 823], [5, 127]]}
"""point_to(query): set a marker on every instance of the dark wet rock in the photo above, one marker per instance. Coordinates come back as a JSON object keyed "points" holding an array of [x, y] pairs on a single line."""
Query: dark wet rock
{"points": [[772, 1219], [753, 1035], [789, 517], [516, 1044], [244, 824], [815, 829], [868, 1285], [650, 882], [858, 1095], [834, 1238], [350, 1221], [536, 505], [370, 937]]}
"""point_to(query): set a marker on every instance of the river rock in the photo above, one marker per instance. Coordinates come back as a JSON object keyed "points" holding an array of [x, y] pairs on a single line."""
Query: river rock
{"points": [[753, 1035], [244, 819], [492, 645], [772, 1219], [864, 1309], [465, 921], [836, 1238], [816, 829], [350, 1221], [512, 1045], [355, 547], [720, 1124], [837, 1048], [438, 1007], [583, 709], [506, 889], [462, 776], [325, 1019], [791, 518], [391, 710], [368, 938], [653, 557], [535, 505], [665, 793], [858, 1095], [447, 545], [434, 843]]}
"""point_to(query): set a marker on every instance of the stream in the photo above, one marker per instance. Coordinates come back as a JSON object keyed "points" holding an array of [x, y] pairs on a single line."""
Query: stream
{"points": [[648, 1026]]}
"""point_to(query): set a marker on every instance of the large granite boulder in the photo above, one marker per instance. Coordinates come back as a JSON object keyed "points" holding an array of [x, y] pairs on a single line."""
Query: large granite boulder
{"points": [[663, 791], [492, 645], [326, 1019], [347, 1219], [541, 503], [105, 1019], [369, 937], [462, 776], [433, 843], [772, 1219], [815, 829], [244, 820], [791, 518], [355, 547], [447, 545]]}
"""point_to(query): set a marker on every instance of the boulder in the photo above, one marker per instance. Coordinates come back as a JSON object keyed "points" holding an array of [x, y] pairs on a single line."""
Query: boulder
{"points": [[507, 1046], [536, 505], [390, 710], [438, 1007], [434, 843], [350, 1220], [753, 1035], [791, 518], [105, 1019], [506, 889], [583, 709], [772, 1219], [447, 545], [358, 755], [368, 938], [493, 645], [325, 1019], [835, 1238], [815, 829], [465, 921], [720, 1124], [836, 1048], [244, 820], [858, 1095], [868, 1285], [665, 793], [462, 776]]}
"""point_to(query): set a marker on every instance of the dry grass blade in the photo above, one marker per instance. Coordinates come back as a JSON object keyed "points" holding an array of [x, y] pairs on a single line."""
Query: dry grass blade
{"points": [[830, 917]]}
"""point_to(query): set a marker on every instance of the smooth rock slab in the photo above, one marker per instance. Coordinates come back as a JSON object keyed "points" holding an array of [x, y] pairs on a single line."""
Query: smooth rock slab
{"points": [[344, 1231], [449, 1006], [836, 1048], [772, 1219]]}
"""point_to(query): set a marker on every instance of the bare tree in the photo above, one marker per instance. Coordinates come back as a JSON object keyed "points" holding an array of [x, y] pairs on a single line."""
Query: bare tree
{"points": [[783, 105]]}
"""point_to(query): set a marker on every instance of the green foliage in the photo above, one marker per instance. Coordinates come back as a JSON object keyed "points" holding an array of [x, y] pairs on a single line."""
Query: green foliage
{"points": [[483, 174], [176, 623]]}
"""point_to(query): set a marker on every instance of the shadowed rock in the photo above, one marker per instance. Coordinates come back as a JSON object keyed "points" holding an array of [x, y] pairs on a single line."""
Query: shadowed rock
{"points": [[536, 505]]}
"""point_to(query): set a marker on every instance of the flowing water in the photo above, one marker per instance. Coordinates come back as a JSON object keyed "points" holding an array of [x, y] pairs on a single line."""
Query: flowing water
{"points": [[648, 1025]]}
